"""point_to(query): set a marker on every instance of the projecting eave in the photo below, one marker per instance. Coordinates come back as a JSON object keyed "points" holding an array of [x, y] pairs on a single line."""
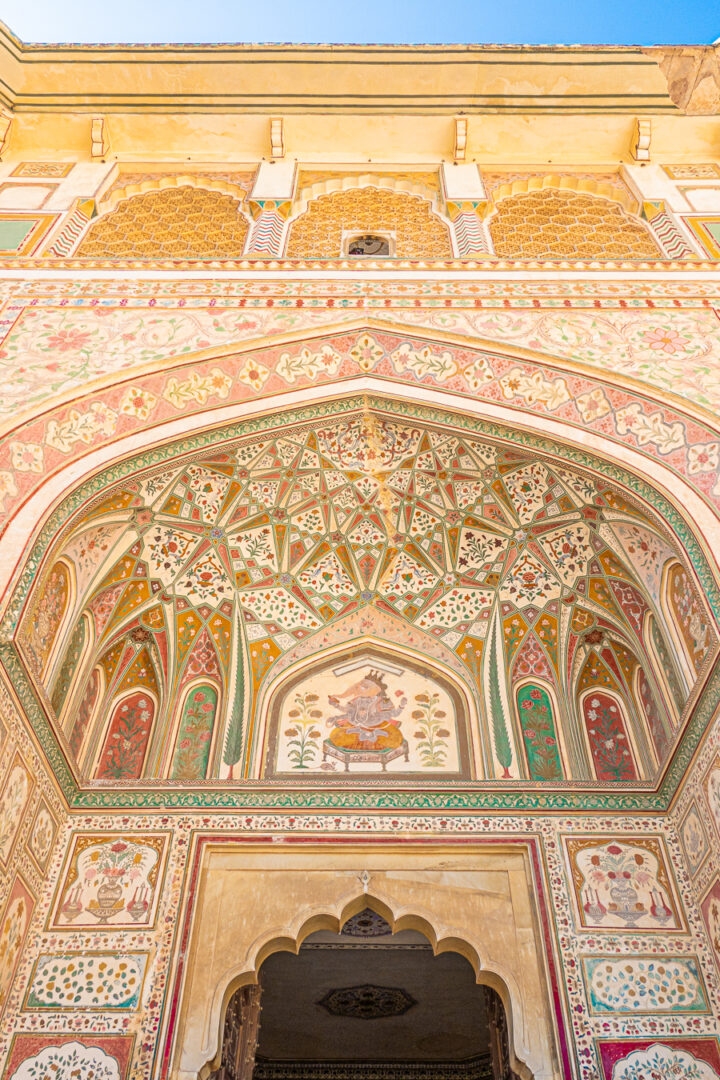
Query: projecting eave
{"points": [[350, 78]]}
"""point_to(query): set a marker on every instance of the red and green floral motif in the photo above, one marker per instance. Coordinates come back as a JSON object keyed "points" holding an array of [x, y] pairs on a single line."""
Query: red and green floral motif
{"points": [[538, 727], [127, 739], [192, 749], [609, 746], [84, 713]]}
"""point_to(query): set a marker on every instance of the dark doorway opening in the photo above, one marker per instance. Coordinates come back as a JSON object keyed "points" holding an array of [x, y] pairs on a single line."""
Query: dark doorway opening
{"points": [[366, 1004]]}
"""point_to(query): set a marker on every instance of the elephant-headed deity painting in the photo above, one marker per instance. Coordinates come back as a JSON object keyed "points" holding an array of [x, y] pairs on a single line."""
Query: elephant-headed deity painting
{"points": [[368, 712]]}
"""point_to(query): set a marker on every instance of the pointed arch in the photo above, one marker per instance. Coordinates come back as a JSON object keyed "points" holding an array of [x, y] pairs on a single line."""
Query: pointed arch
{"points": [[198, 710], [668, 670], [132, 713], [686, 619], [606, 722], [654, 716], [473, 594], [606, 725], [538, 712], [194, 728], [538, 718], [82, 719]]}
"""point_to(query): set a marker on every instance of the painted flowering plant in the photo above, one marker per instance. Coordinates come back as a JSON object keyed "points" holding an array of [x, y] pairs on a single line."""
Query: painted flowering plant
{"points": [[303, 736], [612, 754], [114, 861]]}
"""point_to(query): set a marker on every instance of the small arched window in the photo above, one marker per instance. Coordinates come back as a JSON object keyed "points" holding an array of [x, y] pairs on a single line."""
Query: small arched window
{"points": [[367, 244]]}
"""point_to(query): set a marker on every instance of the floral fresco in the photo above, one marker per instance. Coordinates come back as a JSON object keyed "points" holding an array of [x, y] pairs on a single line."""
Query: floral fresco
{"points": [[622, 885], [111, 881], [67, 1057], [607, 734], [667, 1059], [192, 749], [526, 572], [541, 746], [16, 790]]}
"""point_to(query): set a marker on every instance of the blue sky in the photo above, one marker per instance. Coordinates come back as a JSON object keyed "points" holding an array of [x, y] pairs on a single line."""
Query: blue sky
{"points": [[628, 22]]}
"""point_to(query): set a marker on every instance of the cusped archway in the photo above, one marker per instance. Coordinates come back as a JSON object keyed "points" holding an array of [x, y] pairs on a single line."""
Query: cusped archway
{"points": [[170, 221], [407, 221], [366, 1002]]}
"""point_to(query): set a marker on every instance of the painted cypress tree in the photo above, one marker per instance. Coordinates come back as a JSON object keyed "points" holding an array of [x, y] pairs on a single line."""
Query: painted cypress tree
{"points": [[236, 722], [503, 750]]}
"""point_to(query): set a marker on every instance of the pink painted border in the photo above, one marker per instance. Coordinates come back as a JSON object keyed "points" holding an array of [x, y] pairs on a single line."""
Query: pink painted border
{"points": [[612, 1051]]}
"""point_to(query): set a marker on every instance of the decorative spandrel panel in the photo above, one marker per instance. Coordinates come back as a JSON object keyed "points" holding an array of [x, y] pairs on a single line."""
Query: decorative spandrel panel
{"points": [[372, 712]]}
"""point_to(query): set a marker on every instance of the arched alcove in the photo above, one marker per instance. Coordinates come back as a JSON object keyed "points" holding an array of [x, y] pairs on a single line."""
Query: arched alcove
{"points": [[417, 230], [555, 223], [171, 222], [370, 709]]}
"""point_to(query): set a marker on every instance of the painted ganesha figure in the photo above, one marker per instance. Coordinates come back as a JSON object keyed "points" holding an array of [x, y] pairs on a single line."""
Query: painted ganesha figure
{"points": [[366, 723]]}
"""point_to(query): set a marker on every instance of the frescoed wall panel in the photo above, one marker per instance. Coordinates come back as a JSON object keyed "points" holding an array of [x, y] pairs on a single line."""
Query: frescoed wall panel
{"points": [[111, 881], [623, 885], [62, 1056], [369, 712]]}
